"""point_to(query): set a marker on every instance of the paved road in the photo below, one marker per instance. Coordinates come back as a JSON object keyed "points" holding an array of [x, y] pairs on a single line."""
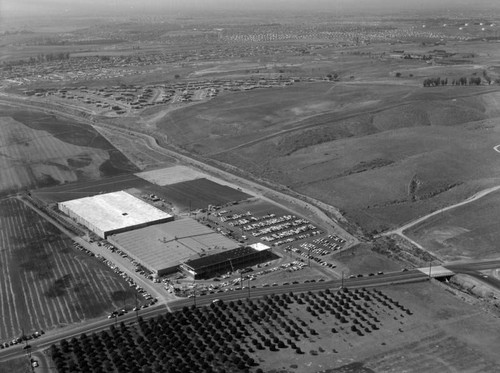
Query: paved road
{"points": [[368, 281], [74, 331], [54, 336]]}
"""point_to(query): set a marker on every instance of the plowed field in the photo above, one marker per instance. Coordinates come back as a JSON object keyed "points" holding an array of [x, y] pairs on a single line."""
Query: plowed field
{"points": [[46, 283], [37, 149]]}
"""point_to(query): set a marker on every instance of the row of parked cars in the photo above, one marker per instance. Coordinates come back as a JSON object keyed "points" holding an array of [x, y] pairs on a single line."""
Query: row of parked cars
{"points": [[21, 339], [307, 254], [83, 249], [123, 311], [138, 268]]}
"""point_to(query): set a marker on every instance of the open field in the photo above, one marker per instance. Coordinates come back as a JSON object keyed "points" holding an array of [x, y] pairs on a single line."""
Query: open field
{"points": [[199, 193], [89, 188], [45, 282], [403, 328], [362, 260], [39, 150], [231, 120], [396, 154], [170, 175], [466, 232], [331, 109]]}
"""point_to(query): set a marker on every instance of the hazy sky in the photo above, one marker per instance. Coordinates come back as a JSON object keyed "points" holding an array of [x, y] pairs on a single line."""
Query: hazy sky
{"points": [[46, 7]]}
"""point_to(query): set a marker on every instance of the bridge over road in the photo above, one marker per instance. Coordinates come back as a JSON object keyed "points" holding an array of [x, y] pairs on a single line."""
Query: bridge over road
{"points": [[436, 271]]}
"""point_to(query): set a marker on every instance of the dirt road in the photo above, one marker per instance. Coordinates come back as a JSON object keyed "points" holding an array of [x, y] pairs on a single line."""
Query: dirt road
{"points": [[400, 231]]}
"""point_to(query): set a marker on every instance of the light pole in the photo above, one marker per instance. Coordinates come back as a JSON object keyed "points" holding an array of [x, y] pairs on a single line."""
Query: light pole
{"points": [[430, 268], [249, 288], [342, 283], [136, 308]]}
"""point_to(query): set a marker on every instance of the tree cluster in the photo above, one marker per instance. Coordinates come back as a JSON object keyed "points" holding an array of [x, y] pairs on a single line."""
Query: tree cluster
{"points": [[220, 337], [435, 82]]}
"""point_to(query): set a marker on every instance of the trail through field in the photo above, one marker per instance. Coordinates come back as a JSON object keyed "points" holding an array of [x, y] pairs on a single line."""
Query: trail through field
{"points": [[400, 231]]}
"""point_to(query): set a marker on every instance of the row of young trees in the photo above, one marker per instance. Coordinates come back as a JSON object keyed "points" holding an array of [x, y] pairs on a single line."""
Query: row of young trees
{"points": [[43, 57], [223, 336]]}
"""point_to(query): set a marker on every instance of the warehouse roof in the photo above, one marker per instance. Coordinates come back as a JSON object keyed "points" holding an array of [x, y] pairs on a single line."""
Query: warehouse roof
{"points": [[165, 245], [113, 211]]}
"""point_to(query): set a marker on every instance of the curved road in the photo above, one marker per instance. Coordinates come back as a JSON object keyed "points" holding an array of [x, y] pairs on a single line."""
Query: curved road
{"points": [[400, 231]]}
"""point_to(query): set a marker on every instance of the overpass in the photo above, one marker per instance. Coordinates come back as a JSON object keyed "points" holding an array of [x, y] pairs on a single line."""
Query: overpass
{"points": [[436, 271]]}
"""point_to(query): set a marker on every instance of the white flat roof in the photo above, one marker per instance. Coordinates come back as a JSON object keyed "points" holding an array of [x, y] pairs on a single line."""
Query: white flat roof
{"points": [[259, 246], [115, 210]]}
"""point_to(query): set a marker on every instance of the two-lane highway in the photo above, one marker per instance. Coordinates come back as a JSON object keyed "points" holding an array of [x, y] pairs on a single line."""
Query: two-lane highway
{"points": [[358, 282], [67, 333], [56, 336]]}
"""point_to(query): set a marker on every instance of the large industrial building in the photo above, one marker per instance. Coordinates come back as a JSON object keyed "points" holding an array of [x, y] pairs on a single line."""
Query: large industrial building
{"points": [[228, 261], [112, 213], [162, 247]]}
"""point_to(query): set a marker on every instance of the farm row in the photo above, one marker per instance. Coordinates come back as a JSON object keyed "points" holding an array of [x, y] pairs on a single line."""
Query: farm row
{"points": [[228, 336], [44, 281]]}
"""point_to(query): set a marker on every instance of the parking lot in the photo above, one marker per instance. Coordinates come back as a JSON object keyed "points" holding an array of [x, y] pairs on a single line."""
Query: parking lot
{"points": [[262, 222]]}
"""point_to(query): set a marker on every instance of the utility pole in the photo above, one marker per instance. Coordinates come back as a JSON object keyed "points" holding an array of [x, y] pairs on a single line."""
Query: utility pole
{"points": [[249, 288]]}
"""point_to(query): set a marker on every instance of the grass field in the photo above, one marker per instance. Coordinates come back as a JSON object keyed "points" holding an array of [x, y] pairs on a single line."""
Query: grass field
{"points": [[45, 283], [466, 232], [89, 188], [39, 150], [399, 152]]}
